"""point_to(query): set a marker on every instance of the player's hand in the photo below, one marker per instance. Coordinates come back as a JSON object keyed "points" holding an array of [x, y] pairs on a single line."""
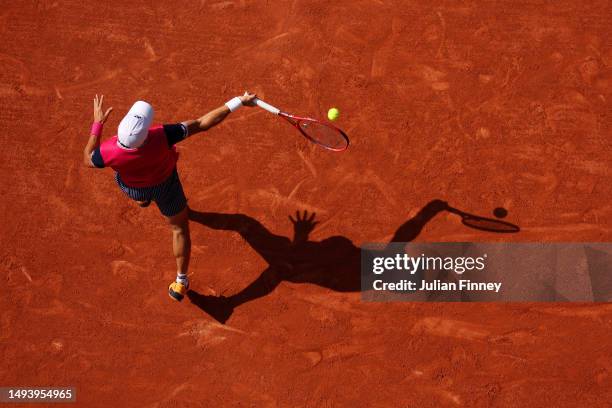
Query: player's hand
{"points": [[248, 99], [99, 114], [303, 225]]}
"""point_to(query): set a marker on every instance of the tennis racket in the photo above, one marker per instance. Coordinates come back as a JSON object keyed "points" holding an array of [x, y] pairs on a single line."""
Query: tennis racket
{"points": [[484, 224], [321, 133]]}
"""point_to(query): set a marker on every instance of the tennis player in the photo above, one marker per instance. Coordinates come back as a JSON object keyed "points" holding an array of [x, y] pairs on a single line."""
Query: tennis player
{"points": [[143, 156]]}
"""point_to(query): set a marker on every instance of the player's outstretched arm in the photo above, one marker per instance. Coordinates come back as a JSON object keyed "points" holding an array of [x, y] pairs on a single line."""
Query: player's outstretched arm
{"points": [[96, 130], [409, 230], [216, 116]]}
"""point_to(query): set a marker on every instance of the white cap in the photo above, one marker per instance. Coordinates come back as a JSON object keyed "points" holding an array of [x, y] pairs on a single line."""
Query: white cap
{"points": [[134, 127]]}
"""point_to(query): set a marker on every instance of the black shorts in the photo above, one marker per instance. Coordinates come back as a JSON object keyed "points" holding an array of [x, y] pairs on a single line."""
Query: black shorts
{"points": [[168, 195]]}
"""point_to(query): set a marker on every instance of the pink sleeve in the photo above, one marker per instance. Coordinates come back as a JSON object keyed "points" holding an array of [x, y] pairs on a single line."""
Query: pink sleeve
{"points": [[106, 149]]}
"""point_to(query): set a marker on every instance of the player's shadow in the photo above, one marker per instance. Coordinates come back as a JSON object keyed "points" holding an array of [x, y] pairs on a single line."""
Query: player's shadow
{"points": [[333, 262]]}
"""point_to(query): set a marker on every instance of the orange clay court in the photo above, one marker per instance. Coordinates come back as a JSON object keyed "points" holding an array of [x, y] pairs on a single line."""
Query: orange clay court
{"points": [[478, 104]]}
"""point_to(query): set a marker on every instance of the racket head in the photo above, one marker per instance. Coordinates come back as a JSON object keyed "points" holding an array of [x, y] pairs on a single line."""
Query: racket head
{"points": [[323, 134], [483, 223], [489, 224]]}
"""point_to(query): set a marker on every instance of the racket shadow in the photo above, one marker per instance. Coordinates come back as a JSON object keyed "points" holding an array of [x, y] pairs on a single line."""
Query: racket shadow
{"points": [[333, 263], [484, 223]]}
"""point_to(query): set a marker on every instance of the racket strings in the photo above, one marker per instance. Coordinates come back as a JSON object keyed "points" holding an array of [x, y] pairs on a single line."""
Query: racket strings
{"points": [[327, 136]]}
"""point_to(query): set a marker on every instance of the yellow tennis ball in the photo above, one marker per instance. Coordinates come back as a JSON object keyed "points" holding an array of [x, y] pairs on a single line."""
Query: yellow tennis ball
{"points": [[333, 114]]}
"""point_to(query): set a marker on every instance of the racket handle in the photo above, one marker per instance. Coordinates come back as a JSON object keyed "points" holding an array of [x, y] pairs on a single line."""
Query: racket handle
{"points": [[267, 106]]}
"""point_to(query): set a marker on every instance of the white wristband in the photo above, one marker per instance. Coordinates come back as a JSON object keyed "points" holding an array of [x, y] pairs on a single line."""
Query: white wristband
{"points": [[233, 104]]}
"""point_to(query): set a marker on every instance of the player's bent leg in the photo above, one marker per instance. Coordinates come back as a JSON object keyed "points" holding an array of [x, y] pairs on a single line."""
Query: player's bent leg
{"points": [[181, 245]]}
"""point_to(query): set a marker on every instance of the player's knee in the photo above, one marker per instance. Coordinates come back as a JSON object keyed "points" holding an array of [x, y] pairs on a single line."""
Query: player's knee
{"points": [[182, 228], [181, 219]]}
